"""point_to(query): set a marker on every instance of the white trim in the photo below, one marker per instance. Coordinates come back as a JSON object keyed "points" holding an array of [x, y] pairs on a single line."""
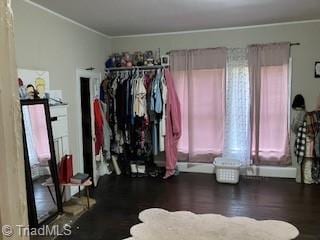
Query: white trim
{"points": [[66, 18], [216, 29], [81, 73], [260, 171]]}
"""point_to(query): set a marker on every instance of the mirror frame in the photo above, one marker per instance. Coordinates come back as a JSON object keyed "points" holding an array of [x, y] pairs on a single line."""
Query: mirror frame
{"points": [[32, 210]]}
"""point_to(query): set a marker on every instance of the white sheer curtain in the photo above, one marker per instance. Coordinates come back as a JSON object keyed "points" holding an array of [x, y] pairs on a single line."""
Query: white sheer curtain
{"points": [[237, 142]]}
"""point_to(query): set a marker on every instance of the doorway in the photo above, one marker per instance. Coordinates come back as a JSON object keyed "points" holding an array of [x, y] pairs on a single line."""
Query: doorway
{"points": [[86, 126], [88, 88]]}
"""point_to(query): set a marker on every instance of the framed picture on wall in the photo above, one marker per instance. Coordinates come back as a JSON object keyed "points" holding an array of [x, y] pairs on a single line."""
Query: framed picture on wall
{"points": [[165, 60], [317, 70], [37, 78]]}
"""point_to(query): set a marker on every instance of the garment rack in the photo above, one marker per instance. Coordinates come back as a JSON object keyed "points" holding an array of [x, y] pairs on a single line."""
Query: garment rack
{"points": [[135, 68]]}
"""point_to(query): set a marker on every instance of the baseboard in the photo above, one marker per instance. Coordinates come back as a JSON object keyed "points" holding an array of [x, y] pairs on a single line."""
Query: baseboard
{"points": [[269, 171], [262, 171]]}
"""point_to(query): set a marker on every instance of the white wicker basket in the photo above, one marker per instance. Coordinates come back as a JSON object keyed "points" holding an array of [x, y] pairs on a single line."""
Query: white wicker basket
{"points": [[227, 170]]}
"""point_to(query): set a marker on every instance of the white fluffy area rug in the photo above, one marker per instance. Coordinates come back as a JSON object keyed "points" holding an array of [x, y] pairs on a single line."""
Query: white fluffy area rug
{"points": [[159, 224]]}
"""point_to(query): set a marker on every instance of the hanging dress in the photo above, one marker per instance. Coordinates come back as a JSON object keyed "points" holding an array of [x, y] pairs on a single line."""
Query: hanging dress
{"points": [[173, 124]]}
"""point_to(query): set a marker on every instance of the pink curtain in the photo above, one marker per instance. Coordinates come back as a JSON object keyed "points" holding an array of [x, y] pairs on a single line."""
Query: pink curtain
{"points": [[40, 132], [269, 82], [199, 77]]}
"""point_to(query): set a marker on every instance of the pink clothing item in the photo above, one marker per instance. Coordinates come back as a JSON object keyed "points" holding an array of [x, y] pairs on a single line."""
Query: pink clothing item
{"points": [[173, 123], [40, 132]]}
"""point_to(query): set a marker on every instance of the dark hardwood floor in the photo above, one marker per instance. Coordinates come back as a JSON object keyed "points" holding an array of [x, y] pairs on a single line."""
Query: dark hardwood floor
{"points": [[120, 199]]}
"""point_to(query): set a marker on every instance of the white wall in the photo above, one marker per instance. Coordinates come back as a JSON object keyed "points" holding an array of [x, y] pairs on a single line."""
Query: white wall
{"points": [[47, 42], [304, 56]]}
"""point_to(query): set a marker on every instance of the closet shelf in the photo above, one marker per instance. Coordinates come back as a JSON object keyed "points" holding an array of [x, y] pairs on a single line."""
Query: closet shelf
{"points": [[135, 67]]}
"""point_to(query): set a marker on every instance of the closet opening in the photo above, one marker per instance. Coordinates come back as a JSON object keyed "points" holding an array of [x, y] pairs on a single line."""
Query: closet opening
{"points": [[86, 126]]}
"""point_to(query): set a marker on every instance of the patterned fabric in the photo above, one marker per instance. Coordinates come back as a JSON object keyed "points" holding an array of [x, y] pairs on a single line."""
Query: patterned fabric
{"points": [[298, 118], [316, 162], [237, 144], [312, 130], [313, 125], [317, 145], [307, 145], [309, 149], [316, 170], [300, 144], [305, 140]]}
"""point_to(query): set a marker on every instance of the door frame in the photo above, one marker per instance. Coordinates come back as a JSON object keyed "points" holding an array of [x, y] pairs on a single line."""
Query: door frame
{"points": [[82, 73]]}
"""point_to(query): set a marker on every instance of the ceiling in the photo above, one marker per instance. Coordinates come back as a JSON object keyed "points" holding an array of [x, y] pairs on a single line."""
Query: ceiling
{"points": [[127, 17]]}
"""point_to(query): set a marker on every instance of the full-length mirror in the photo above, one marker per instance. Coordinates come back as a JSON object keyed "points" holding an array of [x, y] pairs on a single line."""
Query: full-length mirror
{"points": [[44, 198]]}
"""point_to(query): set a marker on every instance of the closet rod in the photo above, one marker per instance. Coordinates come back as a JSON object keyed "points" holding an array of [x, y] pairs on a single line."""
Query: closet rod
{"points": [[135, 67]]}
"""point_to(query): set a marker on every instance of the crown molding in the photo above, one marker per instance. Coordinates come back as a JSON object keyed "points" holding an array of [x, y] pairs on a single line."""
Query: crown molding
{"points": [[216, 29], [168, 33], [66, 18]]}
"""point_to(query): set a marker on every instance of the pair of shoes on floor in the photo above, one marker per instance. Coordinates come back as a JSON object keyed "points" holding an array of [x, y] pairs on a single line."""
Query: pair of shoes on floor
{"points": [[138, 170]]}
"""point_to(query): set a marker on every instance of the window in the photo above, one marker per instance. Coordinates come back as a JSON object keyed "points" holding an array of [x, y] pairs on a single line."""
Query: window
{"points": [[202, 105], [234, 102], [270, 80], [273, 123], [207, 111], [199, 78]]}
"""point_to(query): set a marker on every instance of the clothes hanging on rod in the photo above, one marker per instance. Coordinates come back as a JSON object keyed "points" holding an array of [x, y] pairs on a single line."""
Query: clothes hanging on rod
{"points": [[135, 68], [98, 117], [104, 163], [136, 100], [173, 126], [162, 123], [307, 146]]}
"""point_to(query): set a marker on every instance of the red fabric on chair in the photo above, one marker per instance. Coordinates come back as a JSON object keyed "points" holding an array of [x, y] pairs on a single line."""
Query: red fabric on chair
{"points": [[65, 169]]}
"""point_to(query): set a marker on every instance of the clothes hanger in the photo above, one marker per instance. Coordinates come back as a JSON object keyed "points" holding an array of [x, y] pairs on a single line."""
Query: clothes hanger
{"points": [[96, 97], [135, 72], [118, 76]]}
